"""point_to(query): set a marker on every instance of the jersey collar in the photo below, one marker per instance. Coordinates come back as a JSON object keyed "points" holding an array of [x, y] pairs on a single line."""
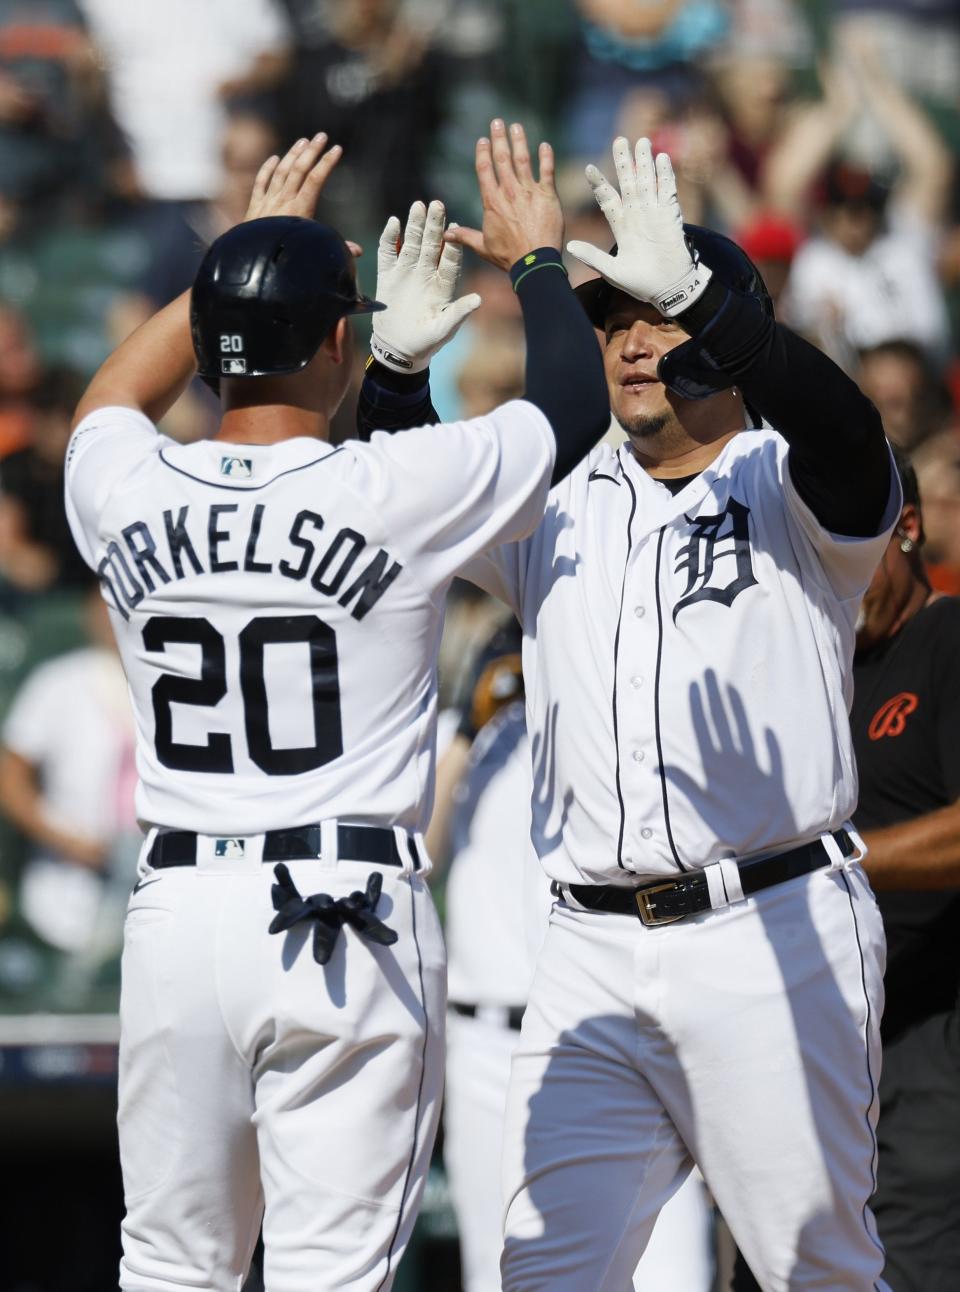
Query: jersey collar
{"points": [[244, 467], [658, 506]]}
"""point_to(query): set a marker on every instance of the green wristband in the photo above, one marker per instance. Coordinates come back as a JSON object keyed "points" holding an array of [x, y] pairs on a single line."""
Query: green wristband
{"points": [[542, 258]]}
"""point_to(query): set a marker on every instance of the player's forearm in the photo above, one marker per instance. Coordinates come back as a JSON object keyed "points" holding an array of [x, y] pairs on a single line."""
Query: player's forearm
{"points": [[564, 374], [393, 401], [150, 369], [925, 160], [838, 454], [802, 152], [920, 854], [22, 802]]}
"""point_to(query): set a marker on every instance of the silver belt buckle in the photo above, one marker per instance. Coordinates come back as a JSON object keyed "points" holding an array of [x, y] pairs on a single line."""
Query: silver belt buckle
{"points": [[645, 908]]}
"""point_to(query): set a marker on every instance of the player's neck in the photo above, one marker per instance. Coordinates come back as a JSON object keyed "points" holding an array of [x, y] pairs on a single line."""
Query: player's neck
{"points": [[920, 595], [272, 423], [667, 462]]}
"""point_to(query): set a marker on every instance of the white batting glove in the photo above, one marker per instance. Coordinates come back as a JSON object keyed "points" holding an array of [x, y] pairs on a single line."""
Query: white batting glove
{"points": [[417, 285], [653, 261]]}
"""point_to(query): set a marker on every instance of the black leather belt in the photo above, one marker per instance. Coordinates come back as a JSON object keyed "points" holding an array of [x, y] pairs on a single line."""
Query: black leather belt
{"points": [[354, 843], [665, 901], [511, 1015]]}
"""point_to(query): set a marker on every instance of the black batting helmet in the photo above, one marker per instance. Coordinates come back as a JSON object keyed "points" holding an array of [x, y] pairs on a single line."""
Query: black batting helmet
{"points": [[730, 265], [266, 294]]}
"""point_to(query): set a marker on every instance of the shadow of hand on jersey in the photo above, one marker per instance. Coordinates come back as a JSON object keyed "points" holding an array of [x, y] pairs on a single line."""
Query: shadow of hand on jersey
{"points": [[724, 740], [543, 752], [556, 523], [799, 959]]}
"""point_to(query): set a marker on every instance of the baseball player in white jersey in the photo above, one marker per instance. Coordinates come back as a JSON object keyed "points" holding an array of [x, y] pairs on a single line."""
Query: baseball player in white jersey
{"points": [[278, 604], [710, 985]]}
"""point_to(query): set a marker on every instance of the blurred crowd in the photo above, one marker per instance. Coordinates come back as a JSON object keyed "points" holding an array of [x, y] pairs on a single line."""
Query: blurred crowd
{"points": [[821, 135]]}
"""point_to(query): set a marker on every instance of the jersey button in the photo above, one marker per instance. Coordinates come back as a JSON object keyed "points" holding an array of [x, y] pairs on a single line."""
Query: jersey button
{"points": [[636, 682], [646, 833], [638, 755], [639, 611]]}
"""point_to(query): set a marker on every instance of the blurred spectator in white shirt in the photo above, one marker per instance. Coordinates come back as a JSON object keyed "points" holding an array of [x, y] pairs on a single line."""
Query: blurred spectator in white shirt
{"points": [[173, 66], [870, 275], [67, 780]]}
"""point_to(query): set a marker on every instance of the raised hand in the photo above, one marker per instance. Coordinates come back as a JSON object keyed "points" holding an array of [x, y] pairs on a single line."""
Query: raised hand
{"points": [[292, 184], [520, 212], [417, 281], [653, 261]]}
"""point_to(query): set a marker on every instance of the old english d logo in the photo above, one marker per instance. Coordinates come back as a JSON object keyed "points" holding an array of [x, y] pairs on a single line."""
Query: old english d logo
{"points": [[891, 718], [713, 539]]}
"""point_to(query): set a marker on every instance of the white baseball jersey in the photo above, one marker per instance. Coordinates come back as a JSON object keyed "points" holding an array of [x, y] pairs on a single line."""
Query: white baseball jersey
{"points": [[278, 607], [497, 897], [635, 604]]}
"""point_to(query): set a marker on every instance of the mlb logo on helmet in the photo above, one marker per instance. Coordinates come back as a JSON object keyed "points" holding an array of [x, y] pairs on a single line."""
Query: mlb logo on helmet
{"points": [[229, 847], [233, 367], [242, 467]]}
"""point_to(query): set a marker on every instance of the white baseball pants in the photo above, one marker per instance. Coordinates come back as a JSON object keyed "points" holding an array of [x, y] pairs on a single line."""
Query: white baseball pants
{"points": [[744, 1039], [679, 1257], [251, 1077]]}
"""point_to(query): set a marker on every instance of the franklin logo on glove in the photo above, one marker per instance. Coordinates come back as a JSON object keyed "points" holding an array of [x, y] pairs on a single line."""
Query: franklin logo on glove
{"points": [[654, 262]]}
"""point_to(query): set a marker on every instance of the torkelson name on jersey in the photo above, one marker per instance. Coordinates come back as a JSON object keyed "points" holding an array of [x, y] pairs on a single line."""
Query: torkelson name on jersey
{"points": [[161, 555]]}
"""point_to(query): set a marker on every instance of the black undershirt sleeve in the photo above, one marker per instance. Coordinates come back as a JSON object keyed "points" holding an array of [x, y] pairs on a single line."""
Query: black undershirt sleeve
{"points": [[565, 377], [839, 461], [393, 401], [564, 369]]}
